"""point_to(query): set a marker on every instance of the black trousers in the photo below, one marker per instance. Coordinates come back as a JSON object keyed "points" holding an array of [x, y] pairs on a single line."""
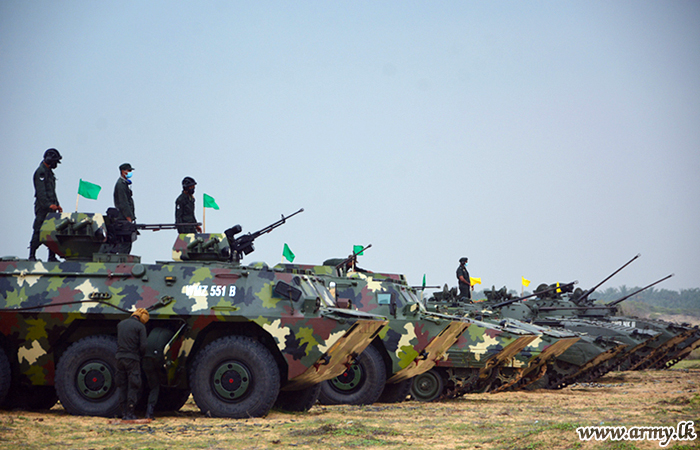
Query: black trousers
{"points": [[128, 381]]}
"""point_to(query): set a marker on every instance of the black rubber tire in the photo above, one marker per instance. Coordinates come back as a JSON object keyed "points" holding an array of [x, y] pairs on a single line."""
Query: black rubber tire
{"points": [[428, 386], [361, 384], [396, 392], [91, 356], [298, 401], [253, 378], [5, 375]]}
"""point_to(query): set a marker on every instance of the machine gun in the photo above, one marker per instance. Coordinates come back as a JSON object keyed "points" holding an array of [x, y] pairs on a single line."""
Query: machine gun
{"points": [[539, 292], [352, 258], [243, 245], [582, 298]]}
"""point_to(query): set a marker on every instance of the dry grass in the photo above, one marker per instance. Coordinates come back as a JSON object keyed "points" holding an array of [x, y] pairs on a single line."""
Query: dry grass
{"points": [[518, 420]]}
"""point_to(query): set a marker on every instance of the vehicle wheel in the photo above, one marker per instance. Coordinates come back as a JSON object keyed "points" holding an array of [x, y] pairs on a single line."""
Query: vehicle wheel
{"points": [[171, 399], [396, 392], [298, 401], [235, 376], [540, 383], [5, 375], [86, 377], [427, 386], [361, 384]]}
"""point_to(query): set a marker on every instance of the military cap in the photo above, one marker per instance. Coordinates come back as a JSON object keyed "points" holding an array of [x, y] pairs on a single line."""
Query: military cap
{"points": [[126, 166], [188, 181], [53, 155], [463, 259]]}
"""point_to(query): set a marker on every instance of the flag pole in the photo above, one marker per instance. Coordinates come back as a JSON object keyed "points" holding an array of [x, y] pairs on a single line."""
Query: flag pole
{"points": [[77, 197], [204, 219]]}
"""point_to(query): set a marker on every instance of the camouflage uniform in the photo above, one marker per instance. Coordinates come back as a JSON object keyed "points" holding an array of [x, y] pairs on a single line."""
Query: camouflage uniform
{"points": [[153, 361], [465, 290], [131, 345], [45, 193], [184, 213]]}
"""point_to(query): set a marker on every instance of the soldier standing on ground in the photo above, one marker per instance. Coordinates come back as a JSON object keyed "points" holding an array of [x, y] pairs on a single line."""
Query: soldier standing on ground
{"points": [[46, 199], [131, 345], [153, 363], [124, 202], [465, 283], [184, 208]]}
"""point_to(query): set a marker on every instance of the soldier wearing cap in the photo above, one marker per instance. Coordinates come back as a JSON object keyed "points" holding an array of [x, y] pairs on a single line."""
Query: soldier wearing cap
{"points": [[465, 283], [184, 207], [131, 346], [124, 203], [46, 199]]}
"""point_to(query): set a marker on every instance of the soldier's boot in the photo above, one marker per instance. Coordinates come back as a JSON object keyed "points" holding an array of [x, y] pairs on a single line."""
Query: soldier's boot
{"points": [[124, 410], [130, 413], [149, 411], [32, 253], [52, 256]]}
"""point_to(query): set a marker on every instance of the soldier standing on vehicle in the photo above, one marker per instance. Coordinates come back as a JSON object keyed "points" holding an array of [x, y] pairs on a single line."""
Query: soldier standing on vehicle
{"points": [[153, 364], [124, 202], [46, 199], [465, 283], [184, 208], [131, 346]]}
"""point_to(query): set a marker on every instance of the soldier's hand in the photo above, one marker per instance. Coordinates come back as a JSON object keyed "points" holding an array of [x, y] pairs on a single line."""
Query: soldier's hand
{"points": [[199, 229], [56, 208]]}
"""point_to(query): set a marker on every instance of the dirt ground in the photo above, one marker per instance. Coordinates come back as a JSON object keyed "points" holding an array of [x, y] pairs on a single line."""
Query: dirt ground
{"points": [[511, 420]]}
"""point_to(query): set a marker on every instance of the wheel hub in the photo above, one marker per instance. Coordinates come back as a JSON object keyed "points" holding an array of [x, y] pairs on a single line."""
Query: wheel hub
{"points": [[94, 380], [349, 379], [231, 380]]}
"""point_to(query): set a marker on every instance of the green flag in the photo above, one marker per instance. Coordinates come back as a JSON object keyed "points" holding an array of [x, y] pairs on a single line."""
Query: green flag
{"points": [[287, 253], [88, 190], [357, 249], [423, 281], [209, 202]]}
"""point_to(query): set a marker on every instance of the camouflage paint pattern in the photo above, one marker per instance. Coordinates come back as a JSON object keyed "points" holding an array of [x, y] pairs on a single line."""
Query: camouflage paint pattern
{"points": [[45, 306], [415, 339]]}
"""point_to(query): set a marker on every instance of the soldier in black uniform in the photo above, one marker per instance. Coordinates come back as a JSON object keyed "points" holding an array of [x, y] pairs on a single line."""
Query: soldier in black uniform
{"points": [[465, 283], [131, 346], [153, 364], [124, 202], [46, 199], [184, 207]]}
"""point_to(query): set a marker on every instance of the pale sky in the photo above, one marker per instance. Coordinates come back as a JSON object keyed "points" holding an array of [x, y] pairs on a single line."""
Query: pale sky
{"points": [[546, 140]]}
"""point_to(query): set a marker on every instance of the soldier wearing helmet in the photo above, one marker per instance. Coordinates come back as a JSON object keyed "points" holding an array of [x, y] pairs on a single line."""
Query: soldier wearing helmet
{"points": [[184, 208], [465, 283], [131, 346], [46, 199]]}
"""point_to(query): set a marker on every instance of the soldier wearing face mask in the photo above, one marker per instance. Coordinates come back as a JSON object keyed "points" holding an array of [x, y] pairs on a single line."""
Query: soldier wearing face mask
{"points": [[184, 208], [46, 199], [124, 203]]}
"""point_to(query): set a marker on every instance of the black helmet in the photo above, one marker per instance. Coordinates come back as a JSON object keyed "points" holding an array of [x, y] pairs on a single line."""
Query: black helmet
{"points": [[187, 182], [52, 155]]}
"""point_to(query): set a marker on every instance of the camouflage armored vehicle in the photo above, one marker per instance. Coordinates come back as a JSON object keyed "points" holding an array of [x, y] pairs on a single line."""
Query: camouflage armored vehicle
{"points": [[516, 370], [413, 342], [244, 337]]}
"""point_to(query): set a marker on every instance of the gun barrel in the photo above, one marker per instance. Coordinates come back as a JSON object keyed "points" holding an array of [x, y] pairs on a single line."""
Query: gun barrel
{"points": [[163, 226], [590, 291], [620, 300]]}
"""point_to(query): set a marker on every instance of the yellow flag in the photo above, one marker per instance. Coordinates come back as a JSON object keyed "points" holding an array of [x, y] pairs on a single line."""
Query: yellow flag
{"points": [[526, 283], [558, 290], [474, 281]]}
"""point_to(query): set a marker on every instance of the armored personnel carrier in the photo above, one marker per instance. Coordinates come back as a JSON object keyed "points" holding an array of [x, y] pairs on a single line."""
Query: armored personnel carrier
{"points": [[413, 342], [245, 338]]}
